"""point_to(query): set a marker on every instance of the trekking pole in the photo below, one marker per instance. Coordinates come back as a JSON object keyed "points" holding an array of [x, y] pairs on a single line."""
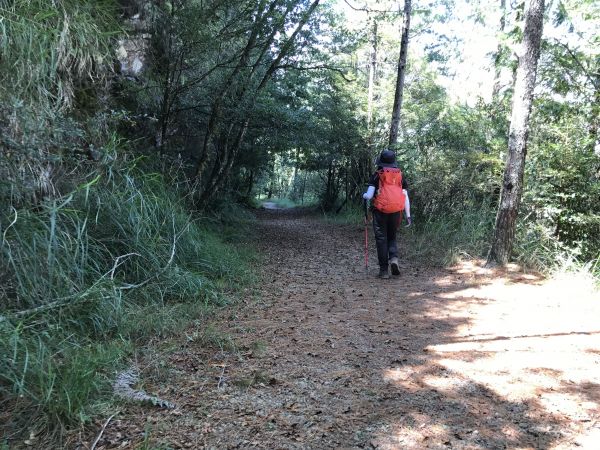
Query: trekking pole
{"points": [[366, 238]]}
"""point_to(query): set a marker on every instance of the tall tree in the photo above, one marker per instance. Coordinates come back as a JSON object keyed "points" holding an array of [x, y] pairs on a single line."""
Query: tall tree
{"points": [[595, 122], [512, 186], [372, 71], [401, 73], [228, 151]]}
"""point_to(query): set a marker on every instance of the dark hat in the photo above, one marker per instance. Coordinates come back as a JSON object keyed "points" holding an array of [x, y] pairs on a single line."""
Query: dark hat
{"points": [[387, 158]]}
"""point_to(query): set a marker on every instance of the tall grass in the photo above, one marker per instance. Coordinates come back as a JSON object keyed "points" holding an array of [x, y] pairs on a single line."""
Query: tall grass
{"points": [[48, 47], [55, 58], [87, 277], [350, 214], [435, 239], [446, 239]]}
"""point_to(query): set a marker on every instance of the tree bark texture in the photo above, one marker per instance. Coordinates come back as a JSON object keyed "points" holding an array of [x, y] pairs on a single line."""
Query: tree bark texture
{"points": [[371, 87], [512, 185], [401, 73], [595, 119]]}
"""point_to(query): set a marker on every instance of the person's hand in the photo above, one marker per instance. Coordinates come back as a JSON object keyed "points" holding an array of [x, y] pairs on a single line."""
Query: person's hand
{"points": [[409, 222], [366, 196]]}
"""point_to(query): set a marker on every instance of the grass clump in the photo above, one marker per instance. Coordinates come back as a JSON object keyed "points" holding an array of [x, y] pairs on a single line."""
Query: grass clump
{"points": [[466, 233], [350, 214], [445, 240], [89, 276], [434, 240], [42, 38]]}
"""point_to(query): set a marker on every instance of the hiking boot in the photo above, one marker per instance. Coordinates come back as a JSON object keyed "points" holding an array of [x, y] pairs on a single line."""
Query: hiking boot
{"points": [[395, 266], [383, 273]]}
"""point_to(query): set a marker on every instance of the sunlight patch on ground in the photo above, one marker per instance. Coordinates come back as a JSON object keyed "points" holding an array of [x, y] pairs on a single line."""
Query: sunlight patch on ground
{"points": [[445, 383], [398, 374], [588, 440], [411, 437], [519, 341], [527, 335], [569, 404]]}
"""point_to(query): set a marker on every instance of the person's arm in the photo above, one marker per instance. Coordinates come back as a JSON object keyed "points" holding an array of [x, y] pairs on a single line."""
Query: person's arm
{"points": [[373, 182], [369, 194], [407, 208]]}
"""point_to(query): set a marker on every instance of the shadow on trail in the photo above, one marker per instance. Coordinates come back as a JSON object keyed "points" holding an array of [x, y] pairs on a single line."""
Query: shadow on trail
{"points": [[373, 343], [430, 417], [434, 358]]}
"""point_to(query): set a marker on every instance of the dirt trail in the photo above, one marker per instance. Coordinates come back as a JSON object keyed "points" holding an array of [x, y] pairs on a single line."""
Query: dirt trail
{"points": [[436, 358]]}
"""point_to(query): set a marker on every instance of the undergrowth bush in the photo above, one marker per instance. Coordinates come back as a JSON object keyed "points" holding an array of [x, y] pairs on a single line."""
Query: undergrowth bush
{"points": [[466, 234], [351, 213], [88, 276], [446, 239]]}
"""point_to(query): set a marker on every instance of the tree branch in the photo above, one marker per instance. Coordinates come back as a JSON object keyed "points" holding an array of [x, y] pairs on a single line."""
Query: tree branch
{"points": [[586, 71], [369, 10], [319, 67], [287, 46]]}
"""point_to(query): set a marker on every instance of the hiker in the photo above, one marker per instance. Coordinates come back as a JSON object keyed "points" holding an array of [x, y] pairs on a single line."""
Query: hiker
{"points": [[388, 189]]}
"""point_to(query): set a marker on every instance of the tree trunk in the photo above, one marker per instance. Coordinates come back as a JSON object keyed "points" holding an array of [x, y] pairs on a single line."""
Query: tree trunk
{"points": [[164, 112], [372, 76], [512, 187], [329, 201], [401, 73], [372, 69], [217, 105], [595, 119], [287, 46], [250, 183], [223, 165], [169, 63], [303, 188]]}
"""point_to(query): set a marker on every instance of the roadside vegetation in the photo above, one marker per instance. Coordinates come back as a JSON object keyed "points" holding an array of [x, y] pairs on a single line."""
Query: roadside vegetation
{"points": [[135, 136], [93, 275], [102, 249]]}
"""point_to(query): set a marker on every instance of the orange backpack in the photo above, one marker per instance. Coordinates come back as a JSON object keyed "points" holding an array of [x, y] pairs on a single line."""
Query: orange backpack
{"points": [[390, 197]]}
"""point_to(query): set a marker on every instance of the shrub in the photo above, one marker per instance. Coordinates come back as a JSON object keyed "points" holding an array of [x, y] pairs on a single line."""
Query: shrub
{"points": [[90, 275]]}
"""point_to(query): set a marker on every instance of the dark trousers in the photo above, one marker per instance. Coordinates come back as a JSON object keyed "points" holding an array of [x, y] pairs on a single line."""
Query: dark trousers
{"points": [[385, 227]]}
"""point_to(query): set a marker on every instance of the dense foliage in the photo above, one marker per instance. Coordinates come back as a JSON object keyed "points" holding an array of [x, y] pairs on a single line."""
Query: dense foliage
{"points": [[128, 128]]}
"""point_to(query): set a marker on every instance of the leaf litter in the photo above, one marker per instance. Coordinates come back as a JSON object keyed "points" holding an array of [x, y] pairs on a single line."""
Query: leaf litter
{"points": [[436, 358]]}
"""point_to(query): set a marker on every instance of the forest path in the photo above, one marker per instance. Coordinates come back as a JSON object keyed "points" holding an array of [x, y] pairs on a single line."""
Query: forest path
{"points": [[462, 358]]}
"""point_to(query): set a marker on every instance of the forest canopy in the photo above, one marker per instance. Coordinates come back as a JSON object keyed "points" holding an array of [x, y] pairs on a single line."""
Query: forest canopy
{"points": [[130, 129], [293, 99]]}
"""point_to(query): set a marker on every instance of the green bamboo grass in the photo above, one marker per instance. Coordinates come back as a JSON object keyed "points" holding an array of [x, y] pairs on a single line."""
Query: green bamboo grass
{"points": [[49, 47], [88, 277]]}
